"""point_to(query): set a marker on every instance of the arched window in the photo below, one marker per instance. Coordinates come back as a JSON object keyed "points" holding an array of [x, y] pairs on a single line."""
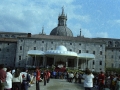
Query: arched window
{"points": [[6, 35], [110, 43], [116, 44], [13, 36]]}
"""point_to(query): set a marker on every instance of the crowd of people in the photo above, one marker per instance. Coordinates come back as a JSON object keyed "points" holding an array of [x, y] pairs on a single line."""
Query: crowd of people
{"points": [[109, 80], [22, 79], [99, 80]]}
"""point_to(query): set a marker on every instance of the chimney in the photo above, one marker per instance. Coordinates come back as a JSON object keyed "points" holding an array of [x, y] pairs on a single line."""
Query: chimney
{"points": [[29, 34]]}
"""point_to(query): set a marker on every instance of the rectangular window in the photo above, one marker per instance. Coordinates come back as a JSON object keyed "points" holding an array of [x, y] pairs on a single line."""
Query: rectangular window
{"points": [[7, 50], [70, 49], [100, 62], [70, 43], [93, 52], [87, 51], [42, 41], [51, 48], [100, 52], [34, 48], [20, 47], [51, 42], [79, 51], [0, 49], [93, 62], [19, 57]]}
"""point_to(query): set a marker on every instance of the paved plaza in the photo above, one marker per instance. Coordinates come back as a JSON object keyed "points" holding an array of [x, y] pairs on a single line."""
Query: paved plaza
{"points": [[59, 84]]}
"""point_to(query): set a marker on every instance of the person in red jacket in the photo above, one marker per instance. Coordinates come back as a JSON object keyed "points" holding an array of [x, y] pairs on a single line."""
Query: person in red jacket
{"points": [[101, 80], [2, 77], [37, 78], [48, 76], [45, 77]]}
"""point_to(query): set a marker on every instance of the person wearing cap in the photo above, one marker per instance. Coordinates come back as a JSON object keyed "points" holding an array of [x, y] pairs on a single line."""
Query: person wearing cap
{"points": [[37, 78], [2, 77], [25, 78]]}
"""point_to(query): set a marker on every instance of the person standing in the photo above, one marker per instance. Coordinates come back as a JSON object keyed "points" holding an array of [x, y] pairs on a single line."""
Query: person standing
{"points": [[8, 82], [45, 77], [117, 87], [101, 80], [26, 79], [48, 76], [2, 77], [76, 77], [17, 80], [88, 79], [38, 74]]}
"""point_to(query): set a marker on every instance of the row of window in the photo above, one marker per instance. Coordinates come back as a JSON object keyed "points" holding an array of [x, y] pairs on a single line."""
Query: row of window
{"points": [[5, 44], [113, 65], [7, 50], [7, 36], [52, 43], [113, 44], [100, 63], [34, 48]]}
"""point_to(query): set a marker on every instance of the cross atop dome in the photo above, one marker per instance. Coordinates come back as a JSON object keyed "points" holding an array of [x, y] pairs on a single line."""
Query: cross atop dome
{"points": [[63, 10]]}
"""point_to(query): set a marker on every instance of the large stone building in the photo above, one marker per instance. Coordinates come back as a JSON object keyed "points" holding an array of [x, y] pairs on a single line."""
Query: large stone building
{"points": [[14, 48]]}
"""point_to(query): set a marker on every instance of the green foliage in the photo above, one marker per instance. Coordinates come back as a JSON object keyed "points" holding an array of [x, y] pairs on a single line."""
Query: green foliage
{"points": [[117, 70]]}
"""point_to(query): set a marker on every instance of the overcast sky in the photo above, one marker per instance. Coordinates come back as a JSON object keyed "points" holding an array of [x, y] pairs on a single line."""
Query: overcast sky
{"points": [[96, 18]]}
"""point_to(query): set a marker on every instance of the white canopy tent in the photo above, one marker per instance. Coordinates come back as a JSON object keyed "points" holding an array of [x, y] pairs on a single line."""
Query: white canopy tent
{"points": [[35, 52], [62, 51], [87, 56]]}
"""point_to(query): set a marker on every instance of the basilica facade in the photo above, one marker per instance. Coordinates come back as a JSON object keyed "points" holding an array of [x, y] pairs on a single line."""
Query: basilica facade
{"points": [[14, 48]]}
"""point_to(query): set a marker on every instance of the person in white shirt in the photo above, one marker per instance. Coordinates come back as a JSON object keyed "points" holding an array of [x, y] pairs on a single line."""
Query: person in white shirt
{"points": [[26, 79], [17, 80], [88, 79], [71, 76], [8, 82]]}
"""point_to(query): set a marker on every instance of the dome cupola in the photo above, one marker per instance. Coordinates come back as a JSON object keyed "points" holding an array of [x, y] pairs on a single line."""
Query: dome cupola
{"points": [[62, 29]]}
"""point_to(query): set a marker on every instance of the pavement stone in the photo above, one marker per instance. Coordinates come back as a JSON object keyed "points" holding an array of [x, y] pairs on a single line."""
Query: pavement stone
{"points": [[59, 84]]}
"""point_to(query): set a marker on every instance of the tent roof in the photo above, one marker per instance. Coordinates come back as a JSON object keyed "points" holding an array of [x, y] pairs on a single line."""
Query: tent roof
{"points": [[62, 50], [35, 52], [86, 56], [58, 52]]}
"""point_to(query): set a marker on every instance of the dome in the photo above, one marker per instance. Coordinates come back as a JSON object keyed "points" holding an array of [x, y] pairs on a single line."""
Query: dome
{"points": [[61, 48], [61, 31]]}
